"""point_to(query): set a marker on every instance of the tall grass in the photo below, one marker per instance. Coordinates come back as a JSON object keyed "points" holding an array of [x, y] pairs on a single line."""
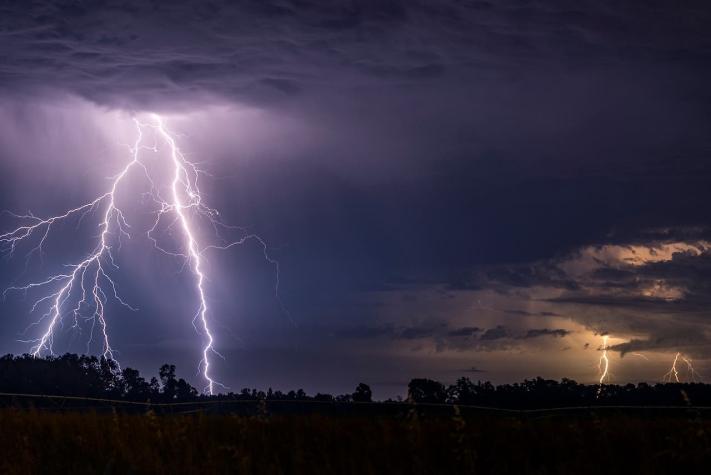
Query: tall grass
{"points": [[118, 443]]}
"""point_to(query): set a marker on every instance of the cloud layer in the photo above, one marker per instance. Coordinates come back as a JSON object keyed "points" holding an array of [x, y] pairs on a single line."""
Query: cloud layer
{"points": [[135, 52]]}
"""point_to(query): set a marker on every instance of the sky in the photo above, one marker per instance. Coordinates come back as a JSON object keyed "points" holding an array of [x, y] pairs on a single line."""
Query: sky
{"points": [[451, 187]]}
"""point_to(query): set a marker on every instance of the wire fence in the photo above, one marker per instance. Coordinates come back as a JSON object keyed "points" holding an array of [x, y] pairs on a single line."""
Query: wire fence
{"points": [[286, 406]]}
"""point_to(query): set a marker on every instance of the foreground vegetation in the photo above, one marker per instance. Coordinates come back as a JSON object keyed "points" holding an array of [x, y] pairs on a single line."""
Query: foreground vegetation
{"points": [[79, 414], [86, 442]]}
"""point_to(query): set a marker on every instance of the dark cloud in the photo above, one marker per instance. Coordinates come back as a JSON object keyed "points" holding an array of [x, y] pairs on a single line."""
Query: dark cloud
{"points": [[683, 339], [445, 338], [366, 332], [658, 288], [497, 333], [474, 369], [133, 51], [416, 333], [541, 274], [538, 332], [464, 331], [649, 286], [532, 314]]}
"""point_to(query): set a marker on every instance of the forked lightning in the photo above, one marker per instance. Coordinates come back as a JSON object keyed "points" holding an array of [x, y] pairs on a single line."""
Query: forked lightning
{"points": [[85, 287]]}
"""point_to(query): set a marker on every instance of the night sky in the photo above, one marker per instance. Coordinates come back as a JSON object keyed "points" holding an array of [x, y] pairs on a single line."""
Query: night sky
{"points": [[451, 187]]}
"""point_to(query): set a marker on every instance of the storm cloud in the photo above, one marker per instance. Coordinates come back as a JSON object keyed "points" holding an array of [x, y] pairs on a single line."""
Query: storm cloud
{"points": [[439, 180]]}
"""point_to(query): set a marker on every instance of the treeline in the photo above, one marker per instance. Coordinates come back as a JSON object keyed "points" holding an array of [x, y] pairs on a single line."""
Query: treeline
{"points": [[545, 393], [94, 377], [101, 378], [91, 377]]}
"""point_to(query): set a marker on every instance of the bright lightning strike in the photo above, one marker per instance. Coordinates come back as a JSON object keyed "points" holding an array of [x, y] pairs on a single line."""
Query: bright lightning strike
{"points": [[85, 287]]}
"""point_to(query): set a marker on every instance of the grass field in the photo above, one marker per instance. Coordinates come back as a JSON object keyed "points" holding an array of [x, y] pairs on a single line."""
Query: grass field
{"points": [[119, 443]]}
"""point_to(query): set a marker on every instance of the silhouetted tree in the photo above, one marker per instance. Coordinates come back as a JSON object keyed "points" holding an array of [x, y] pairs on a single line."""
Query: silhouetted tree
{"points": [[168, 382], [426, 390], [175, 389], [363, 393], [184, 391], [462, 392], [344, 398], [135, 387]]}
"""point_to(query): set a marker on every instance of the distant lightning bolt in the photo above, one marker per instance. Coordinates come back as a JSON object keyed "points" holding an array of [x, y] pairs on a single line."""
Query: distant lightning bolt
{"points": [[89, 284], [604, 363], [673, 374], [693, 375]]}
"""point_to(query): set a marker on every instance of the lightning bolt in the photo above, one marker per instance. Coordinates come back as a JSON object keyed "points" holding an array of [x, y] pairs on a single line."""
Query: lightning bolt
{"points": [[673, 374], [84, 288], [182, 183], [693, 375], [604, 363]]}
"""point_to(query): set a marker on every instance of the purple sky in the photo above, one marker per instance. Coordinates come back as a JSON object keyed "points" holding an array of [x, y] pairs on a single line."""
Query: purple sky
{"points": [[451, 187]]}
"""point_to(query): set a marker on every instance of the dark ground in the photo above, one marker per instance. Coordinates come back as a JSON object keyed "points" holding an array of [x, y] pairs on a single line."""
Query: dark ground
{"points": [[601, 441]]}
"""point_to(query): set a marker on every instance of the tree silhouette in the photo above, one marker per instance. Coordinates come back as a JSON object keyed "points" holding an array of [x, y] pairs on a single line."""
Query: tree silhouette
{"points": [[362, 393], [172, 388], [135, 386], [88, 376], [426, 390]]}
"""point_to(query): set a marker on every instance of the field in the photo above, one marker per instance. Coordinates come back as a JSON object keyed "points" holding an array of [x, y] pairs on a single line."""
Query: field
{"points": [[601, 442]]}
